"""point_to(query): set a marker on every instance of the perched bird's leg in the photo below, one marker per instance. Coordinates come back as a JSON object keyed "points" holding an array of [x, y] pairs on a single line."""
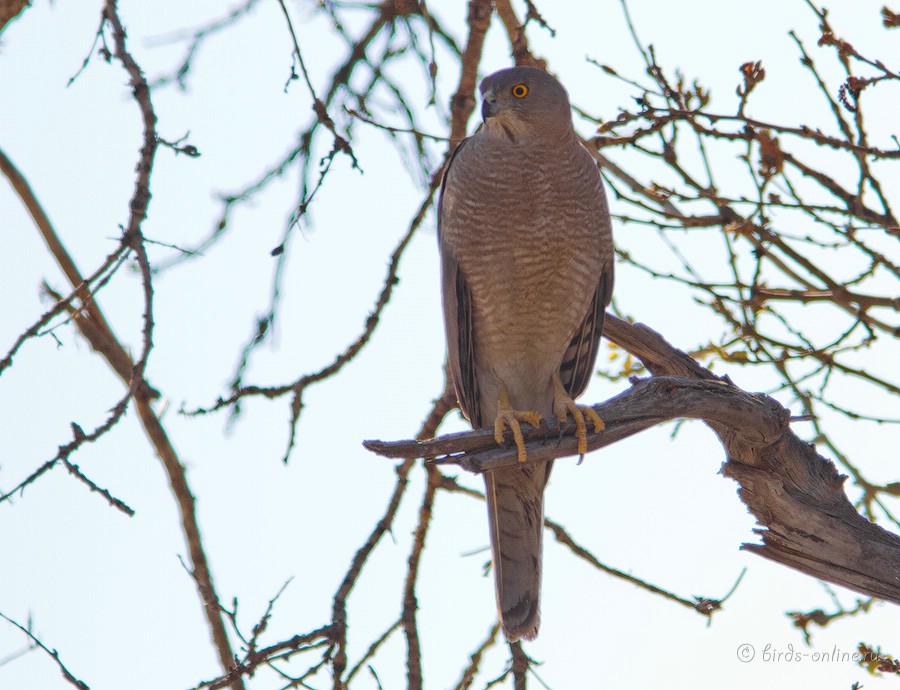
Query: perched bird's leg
{"points": [[507, 416], [564, 406]]}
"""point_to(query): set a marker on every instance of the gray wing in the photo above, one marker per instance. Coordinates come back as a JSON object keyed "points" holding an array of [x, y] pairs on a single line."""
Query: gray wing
{"points": [[458, 319], [578, 361]]}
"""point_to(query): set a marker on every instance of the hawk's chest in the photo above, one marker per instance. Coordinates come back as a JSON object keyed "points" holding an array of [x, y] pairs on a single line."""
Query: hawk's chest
{"points": [[521, 234], [517, 226]]}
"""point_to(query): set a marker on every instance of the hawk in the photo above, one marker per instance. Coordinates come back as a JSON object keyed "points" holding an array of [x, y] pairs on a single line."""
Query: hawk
{"points": [[527, 272]]}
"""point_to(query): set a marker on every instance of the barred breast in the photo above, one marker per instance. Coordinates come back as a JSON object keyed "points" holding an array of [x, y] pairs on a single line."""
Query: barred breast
{"points": [[528, 234]]}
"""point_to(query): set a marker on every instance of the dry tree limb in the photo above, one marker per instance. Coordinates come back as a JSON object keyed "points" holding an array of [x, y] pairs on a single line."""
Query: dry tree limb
{"points": [[647, 403], [10, 9], [463, 101], [796, 495], [520, 663], [515, 32], [114, 353]]}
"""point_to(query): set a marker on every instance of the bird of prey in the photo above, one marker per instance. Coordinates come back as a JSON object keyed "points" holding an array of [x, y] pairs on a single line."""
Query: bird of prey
{"points": [[527, 272]]}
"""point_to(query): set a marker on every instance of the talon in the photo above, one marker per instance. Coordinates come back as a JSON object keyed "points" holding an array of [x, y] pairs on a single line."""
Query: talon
{"points": [[564, 406], [508, 417], [599, 424]]}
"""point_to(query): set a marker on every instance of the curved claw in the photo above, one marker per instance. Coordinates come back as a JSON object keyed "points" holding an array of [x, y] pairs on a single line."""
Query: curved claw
{"points": [[564, 406], [508, 417], [599, 424]]}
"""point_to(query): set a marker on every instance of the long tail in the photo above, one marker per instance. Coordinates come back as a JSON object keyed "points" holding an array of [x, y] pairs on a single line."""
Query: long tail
{"points": [[515, 502]]}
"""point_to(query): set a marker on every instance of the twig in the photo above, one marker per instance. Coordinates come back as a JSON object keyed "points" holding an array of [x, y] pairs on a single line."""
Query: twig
{"points": [[255, 659], [471, 670], [319, 107], [410, 604], [197, 38], [394, 130], [373, 648], [822, 619], [51, 652]]}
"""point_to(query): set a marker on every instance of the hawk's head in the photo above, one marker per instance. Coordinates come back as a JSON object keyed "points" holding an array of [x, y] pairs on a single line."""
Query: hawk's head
{"points": [[525, 99]]}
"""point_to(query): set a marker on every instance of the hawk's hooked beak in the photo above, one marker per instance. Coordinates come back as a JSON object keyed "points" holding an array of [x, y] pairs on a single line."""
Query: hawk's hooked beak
{"points": [[488, 104]]}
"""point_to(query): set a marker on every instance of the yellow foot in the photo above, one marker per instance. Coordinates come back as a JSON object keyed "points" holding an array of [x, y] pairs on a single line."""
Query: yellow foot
{"points": [[508, 417], [564, 406]]}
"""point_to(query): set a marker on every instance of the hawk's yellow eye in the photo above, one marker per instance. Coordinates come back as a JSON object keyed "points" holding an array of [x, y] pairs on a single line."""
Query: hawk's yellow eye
{"points": [[520, 91]]}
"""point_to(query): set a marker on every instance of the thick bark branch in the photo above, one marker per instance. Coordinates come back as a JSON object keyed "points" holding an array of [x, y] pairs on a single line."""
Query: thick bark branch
{"points": [[796, 495], [647, 403], [10, 9]]}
